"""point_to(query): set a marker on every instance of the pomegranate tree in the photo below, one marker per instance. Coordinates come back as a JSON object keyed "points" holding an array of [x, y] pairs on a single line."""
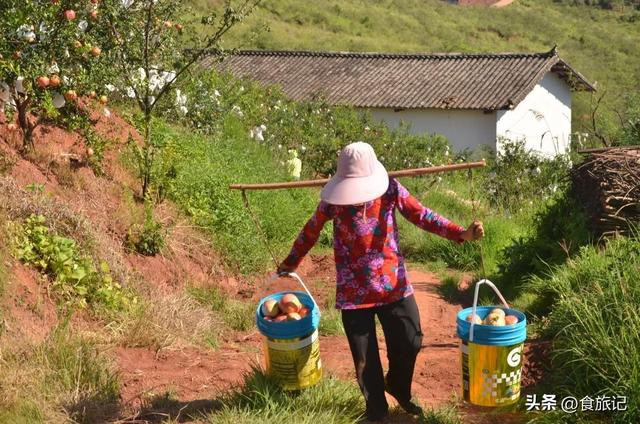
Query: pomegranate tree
{"points": [[47, 60]]}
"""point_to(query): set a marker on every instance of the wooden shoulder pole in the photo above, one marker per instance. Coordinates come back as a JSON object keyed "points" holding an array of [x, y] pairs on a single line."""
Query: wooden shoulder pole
{"points": [[401, 173]]}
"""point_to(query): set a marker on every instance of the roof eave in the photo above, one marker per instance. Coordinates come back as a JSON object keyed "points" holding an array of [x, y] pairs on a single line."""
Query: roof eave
{"points": [[575, 79]]}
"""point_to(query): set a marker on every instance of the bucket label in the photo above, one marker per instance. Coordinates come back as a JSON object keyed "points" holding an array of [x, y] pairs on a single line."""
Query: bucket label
{"points": [[295, 363], [491, 375]]}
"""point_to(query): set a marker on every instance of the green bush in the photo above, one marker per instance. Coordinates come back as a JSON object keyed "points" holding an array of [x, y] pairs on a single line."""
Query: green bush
{"points": [[555, 235], [147, 239], [76, 279], [595, 322], [515, 175], [315, 129]]}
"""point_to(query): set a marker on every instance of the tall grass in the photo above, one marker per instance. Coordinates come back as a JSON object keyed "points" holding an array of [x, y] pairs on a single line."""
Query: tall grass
{"points": [[554, 235], [452, 199], [65, 378], [205, 166], [595, 323], [260, 400]]}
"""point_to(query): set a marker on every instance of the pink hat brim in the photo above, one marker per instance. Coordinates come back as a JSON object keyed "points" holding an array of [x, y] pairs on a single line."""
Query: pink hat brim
{"points": [[350, 191]]}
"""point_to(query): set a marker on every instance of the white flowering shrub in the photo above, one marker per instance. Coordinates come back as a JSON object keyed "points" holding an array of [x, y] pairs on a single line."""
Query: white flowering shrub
{"points": [[315, 130], [152, 46], [516, 177]]}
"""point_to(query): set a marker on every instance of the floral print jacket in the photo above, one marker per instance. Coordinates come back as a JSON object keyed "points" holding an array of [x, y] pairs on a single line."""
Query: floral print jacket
{"points": [[369, 265]]}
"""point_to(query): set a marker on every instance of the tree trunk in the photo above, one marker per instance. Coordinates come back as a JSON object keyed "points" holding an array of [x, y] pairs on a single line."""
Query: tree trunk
{"points": [[23, 121], [147, 162]]}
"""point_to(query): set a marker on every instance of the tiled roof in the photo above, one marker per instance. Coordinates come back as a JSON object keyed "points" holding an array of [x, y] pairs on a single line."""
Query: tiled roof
{"points": [[443, 81]]}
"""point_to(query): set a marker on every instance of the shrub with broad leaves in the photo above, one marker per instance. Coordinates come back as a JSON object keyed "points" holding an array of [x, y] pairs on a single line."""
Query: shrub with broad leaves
{"points": [[516, 176]]}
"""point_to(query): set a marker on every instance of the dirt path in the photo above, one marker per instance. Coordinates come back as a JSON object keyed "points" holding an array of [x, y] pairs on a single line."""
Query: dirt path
{"points": [[198, 375], [195, 374]]}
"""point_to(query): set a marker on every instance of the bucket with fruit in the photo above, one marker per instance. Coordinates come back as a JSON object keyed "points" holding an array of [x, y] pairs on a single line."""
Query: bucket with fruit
{"points": [[289, 322], [492, 342]]}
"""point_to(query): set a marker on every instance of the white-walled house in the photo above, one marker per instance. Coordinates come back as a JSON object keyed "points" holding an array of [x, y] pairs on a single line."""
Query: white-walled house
{"points": [[472, 99], [542, 119]]}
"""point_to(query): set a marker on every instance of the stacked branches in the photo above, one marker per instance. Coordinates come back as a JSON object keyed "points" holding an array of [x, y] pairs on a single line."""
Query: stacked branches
{"points": [[607, 184]]}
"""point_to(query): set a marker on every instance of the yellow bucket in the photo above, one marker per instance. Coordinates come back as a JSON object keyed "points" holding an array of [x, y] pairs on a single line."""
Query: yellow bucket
{"points": [[292, 348], [491, 356], [491, 375], [294, 363]]}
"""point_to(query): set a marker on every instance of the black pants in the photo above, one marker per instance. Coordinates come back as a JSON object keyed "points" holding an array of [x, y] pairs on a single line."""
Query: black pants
{"points": [[403, 336]]}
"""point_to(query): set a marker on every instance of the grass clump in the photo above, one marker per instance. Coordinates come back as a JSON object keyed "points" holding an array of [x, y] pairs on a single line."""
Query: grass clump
{"points": [[449, 287], [236, 314], [595, 323], [444, 415], [167, 321], [65, 378], [260, 399], [147, 238]]}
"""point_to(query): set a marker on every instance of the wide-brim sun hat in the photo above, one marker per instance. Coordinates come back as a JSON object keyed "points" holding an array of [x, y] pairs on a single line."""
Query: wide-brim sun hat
{"points": [[360, 177]]}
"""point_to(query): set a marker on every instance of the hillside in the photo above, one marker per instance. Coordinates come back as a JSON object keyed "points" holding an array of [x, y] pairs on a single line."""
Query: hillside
{"points": [[189, 337], [601, 44], [130, 274]]}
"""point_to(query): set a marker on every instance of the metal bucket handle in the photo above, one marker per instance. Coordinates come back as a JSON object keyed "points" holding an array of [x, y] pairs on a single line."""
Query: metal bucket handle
{"points": [[294, 275], [475, 301]]}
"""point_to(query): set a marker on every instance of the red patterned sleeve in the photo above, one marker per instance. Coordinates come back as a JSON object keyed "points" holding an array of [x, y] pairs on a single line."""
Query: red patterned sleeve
{"points": [[308, 236], [424, 217]]}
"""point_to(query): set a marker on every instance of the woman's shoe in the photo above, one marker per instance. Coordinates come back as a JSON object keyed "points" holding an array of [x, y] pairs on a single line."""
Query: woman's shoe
{"points": [[408, 406]]}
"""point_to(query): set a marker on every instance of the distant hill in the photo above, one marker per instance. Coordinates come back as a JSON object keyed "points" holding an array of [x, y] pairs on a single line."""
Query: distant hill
{"points": [[604, 4], [476, 2], [600, 43]]}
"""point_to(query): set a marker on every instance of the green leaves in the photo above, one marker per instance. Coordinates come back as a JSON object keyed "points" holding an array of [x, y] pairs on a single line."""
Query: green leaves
{"points": [[219, 104], [146, 239], [75, 278]]}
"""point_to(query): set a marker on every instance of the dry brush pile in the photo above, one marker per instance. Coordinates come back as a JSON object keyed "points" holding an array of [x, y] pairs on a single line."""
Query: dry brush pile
{"points": [[608, 185]]}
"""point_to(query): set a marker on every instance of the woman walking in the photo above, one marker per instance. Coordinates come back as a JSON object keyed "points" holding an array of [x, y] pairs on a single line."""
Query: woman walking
{"points": [[371, 280]]}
